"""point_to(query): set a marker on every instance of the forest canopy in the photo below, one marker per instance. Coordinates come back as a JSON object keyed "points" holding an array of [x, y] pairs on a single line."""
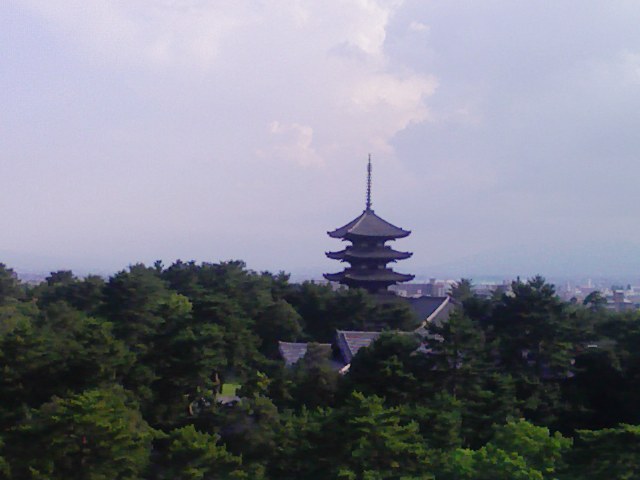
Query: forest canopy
{"points": [[174, 373]]}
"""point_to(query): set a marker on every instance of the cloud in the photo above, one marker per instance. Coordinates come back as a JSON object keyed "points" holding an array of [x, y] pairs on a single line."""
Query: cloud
{"points": [[418, 27], [193, 109], [389, 103], [293, 143], [363, 100], [163, 33]]}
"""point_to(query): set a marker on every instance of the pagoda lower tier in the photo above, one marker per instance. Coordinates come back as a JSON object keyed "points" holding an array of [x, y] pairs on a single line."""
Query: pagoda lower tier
{"points": [[372, 280]]}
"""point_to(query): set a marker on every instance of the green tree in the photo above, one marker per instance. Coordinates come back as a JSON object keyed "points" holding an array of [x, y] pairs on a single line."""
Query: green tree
{"points": [[376, 444], [534, 339], [277, 322], [460, 364], [462, 290], [251, 428], [81, 353], [187, 358], [187, 454], [324, 310], [10, 287], [389, 367], [518, 451], [86, 295], [134, 302], [313, 379], [607, 453], [94, 435], [595, 300]]}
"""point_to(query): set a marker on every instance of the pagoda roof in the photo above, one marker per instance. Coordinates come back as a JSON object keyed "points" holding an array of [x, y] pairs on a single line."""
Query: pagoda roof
{"points": [[377, 253], [382, 276], [368, 224]]}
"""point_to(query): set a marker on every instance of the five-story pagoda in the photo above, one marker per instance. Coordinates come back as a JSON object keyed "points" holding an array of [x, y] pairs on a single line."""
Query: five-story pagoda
{"points": [[368, 255]]}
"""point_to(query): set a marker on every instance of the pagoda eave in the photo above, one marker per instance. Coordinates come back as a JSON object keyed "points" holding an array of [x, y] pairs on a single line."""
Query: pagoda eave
{"points": [[384, 254], [368, 225], [389, 277]]}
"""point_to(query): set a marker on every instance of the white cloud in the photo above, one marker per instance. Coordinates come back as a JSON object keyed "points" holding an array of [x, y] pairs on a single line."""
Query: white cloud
{"points": [[161, 33], [418, 27], [293, 143], [362, 101]]}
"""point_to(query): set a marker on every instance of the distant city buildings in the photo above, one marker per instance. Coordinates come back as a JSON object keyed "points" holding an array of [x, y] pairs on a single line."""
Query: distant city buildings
{"points": [[618, 298]]}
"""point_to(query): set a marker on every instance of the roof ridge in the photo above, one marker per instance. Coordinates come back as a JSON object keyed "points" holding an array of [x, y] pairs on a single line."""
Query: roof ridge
{"points": [[358, 331]]}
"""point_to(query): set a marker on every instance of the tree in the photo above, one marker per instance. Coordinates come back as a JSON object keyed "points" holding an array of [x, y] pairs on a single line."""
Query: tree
{"points": [[607, 453], [595, 300], [459, 363], [598, 394], [186, 454], [462, 290], [81, 353], [376, 444], [389, 368], [187, 358], [251, 428], [518, 451], [534, 341], [277, 322], [324, 310], [306, 446], [132, 300], [10, 287], [54, 352], [94, 435], [313, 380]]}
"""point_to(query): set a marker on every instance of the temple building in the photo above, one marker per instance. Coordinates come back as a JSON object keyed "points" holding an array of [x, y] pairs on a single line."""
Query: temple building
{"points": [[368, 255]]}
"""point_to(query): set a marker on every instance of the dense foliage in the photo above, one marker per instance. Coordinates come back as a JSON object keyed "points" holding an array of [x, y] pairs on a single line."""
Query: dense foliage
{"points": [[123, 379]]}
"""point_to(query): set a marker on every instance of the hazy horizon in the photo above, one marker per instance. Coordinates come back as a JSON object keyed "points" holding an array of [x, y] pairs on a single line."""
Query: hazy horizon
{"points": [[503, 134]]}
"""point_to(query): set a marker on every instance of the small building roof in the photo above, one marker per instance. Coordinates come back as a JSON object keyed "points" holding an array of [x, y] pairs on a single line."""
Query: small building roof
{"points": [[368, 224], [349, 342], [431, 310], [292, 352], [424, 307]]}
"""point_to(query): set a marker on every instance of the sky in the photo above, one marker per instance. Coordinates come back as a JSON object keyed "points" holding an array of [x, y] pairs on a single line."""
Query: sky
{"points": [[503, 133]]}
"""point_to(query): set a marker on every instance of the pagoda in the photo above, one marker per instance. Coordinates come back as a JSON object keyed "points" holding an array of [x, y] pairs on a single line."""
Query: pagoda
{"points": [[368, 255]]}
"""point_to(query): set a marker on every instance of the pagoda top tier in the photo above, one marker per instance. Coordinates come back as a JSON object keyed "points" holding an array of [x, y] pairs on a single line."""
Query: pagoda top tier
{"points": [[368, 224]]}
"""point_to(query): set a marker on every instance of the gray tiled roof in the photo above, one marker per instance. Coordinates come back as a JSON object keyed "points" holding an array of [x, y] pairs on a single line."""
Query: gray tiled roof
{"points": [[350, 342], [293, 352], [368, 224], [424, 307]]}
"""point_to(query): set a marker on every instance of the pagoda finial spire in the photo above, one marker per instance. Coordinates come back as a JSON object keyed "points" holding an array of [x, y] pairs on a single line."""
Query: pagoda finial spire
{"points": [[369, 184]]}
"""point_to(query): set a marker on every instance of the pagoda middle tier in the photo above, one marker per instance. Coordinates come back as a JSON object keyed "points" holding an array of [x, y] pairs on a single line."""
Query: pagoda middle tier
{"points": [[354, 253]]}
